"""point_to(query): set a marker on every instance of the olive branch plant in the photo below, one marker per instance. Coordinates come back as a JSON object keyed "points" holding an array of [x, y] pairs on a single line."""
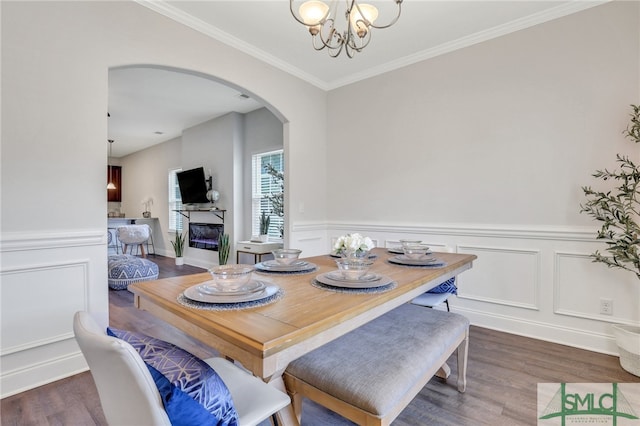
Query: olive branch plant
{"points": [[618, 209]]}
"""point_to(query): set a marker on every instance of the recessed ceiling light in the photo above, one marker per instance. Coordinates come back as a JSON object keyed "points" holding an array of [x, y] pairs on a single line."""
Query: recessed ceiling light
{"points": [[242, 95], [158, 133]]}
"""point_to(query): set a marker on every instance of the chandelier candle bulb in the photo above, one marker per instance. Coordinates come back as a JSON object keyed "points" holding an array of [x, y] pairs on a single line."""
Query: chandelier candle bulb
{"points": [[362, 16], [313, 12]]}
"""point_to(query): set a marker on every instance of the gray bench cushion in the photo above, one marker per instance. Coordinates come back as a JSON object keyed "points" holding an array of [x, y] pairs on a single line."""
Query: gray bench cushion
{"points": [[374, 366]]}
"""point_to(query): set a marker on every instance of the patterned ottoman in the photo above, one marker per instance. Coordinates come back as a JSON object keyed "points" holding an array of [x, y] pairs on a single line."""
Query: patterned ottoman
{"points": [[125, 269]]}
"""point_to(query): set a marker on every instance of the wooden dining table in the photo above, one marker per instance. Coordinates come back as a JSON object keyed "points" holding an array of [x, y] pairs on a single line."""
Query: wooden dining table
{"points": [[267, 338]]}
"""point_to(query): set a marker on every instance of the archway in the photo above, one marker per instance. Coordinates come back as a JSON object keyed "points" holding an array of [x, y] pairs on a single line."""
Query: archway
{"points": [[183, 92]]}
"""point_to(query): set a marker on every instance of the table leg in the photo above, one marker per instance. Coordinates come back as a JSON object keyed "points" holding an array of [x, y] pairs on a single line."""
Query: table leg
{"points": [[286, 416]]}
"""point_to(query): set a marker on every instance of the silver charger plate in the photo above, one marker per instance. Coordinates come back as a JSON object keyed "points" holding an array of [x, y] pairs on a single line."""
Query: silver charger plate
{"points": [[274, 266], [337, 276], [194, 293], [211, 288], [381, 281], [404, 260]]}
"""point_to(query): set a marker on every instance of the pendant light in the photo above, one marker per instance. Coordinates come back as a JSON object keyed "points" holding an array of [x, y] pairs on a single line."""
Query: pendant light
{"points": [[110, 185]]}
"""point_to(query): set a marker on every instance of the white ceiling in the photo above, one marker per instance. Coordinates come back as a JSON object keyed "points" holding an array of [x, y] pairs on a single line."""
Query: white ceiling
{"points": [[150, 105], [143, 101]]}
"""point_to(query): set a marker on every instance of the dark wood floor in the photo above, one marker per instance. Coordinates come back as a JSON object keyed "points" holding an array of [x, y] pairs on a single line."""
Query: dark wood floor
{"points": [[503, 373]]}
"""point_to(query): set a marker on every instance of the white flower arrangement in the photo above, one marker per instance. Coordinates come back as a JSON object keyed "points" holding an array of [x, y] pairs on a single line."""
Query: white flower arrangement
{"points": [[355, 243], [147, 202]]}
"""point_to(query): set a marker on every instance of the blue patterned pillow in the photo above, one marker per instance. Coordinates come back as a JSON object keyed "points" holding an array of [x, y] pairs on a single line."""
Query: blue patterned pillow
{"points": [[449, 286], [192, 392]]}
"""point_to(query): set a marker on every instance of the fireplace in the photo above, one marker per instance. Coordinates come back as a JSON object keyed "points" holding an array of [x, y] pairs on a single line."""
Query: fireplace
{"points": [[205, 235]]}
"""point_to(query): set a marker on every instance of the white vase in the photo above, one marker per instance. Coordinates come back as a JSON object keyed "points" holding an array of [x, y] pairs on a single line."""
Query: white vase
{"points": [[263, 238], [628, 341], [179, 261]]}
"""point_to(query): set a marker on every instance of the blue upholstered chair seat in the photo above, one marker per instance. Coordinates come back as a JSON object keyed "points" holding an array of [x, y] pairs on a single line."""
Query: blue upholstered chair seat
{"points": [[125, 269]]}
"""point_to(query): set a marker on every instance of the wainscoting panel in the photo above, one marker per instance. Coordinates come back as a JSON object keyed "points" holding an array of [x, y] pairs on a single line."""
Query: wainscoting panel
{"points": [[43, 283], [581, 285], [33, 314], [502, 276], [533, 281]]}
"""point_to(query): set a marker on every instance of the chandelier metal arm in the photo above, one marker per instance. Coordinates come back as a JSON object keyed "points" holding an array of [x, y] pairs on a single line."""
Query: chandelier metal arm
{"points": [[381, 27], [357, 35]]}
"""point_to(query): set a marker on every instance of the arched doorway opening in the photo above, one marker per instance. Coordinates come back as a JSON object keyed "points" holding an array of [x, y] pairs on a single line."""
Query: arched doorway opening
{"points": [[164, 119]]}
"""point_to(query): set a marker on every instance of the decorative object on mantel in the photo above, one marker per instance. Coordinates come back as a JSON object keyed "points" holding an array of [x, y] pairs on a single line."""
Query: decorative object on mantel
{"points": [[619, 211], [265, 221], [359, 18], [178, 247], [223, 249], [147, 202], [212, 195], [353, 245]]}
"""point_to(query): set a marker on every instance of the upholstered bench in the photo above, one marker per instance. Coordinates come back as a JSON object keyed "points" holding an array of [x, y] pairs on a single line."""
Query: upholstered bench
{"points": [[125, 269], [372, 373]]}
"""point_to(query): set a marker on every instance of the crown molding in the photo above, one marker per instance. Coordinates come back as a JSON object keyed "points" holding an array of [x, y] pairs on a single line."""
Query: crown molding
{"points": [[199, 25], [479, 37], [190, 21]]}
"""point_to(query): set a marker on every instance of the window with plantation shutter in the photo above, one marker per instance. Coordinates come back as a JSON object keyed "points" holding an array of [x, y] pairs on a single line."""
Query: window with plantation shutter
{"points": [[175, 202], [265, 186]]}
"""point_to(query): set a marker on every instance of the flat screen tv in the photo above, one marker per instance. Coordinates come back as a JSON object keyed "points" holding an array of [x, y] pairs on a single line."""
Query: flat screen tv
{"points": [[193, 187]]}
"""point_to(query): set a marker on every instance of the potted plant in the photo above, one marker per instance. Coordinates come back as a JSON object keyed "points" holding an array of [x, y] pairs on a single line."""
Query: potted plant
{"points": [[223, 249], [618, 210], [178, 247], [265, 221]]}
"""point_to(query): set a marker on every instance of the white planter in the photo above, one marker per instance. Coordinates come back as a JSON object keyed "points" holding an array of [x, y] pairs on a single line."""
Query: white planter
{"points": [[628, 340], [263, 238], [179, 261]]}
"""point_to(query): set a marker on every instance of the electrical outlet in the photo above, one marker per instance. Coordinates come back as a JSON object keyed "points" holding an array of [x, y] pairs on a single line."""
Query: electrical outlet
{"points": [[606, 306]]}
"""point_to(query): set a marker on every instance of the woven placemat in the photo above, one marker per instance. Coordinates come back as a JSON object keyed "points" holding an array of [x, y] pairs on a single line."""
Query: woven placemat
{"points": [[185, 301], [369, 290]]}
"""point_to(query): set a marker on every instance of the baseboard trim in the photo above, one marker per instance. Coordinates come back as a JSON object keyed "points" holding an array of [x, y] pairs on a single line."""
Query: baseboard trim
{"points": [[35, 375], [591, 341]]}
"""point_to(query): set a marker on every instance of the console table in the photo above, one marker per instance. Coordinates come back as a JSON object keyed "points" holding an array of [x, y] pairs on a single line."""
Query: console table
{"points": [[256, 249]]}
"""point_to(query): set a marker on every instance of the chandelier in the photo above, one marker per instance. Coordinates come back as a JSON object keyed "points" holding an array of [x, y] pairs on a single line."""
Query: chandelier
{"points": [[359, 18]]}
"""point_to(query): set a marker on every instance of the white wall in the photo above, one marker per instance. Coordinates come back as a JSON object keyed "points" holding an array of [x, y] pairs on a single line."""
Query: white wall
{"points": [[211, 145], [55, 62], [485, 150], [263, 133], [145, 174]]}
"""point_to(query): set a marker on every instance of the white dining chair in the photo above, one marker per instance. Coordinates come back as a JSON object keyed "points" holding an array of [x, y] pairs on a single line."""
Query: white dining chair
{"points": [[433, 298], [129, 395]]}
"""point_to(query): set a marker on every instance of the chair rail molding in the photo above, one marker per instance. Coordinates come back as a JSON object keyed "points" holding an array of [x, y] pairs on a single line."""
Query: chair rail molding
{"points": [[564, 233], [19, 241]]}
